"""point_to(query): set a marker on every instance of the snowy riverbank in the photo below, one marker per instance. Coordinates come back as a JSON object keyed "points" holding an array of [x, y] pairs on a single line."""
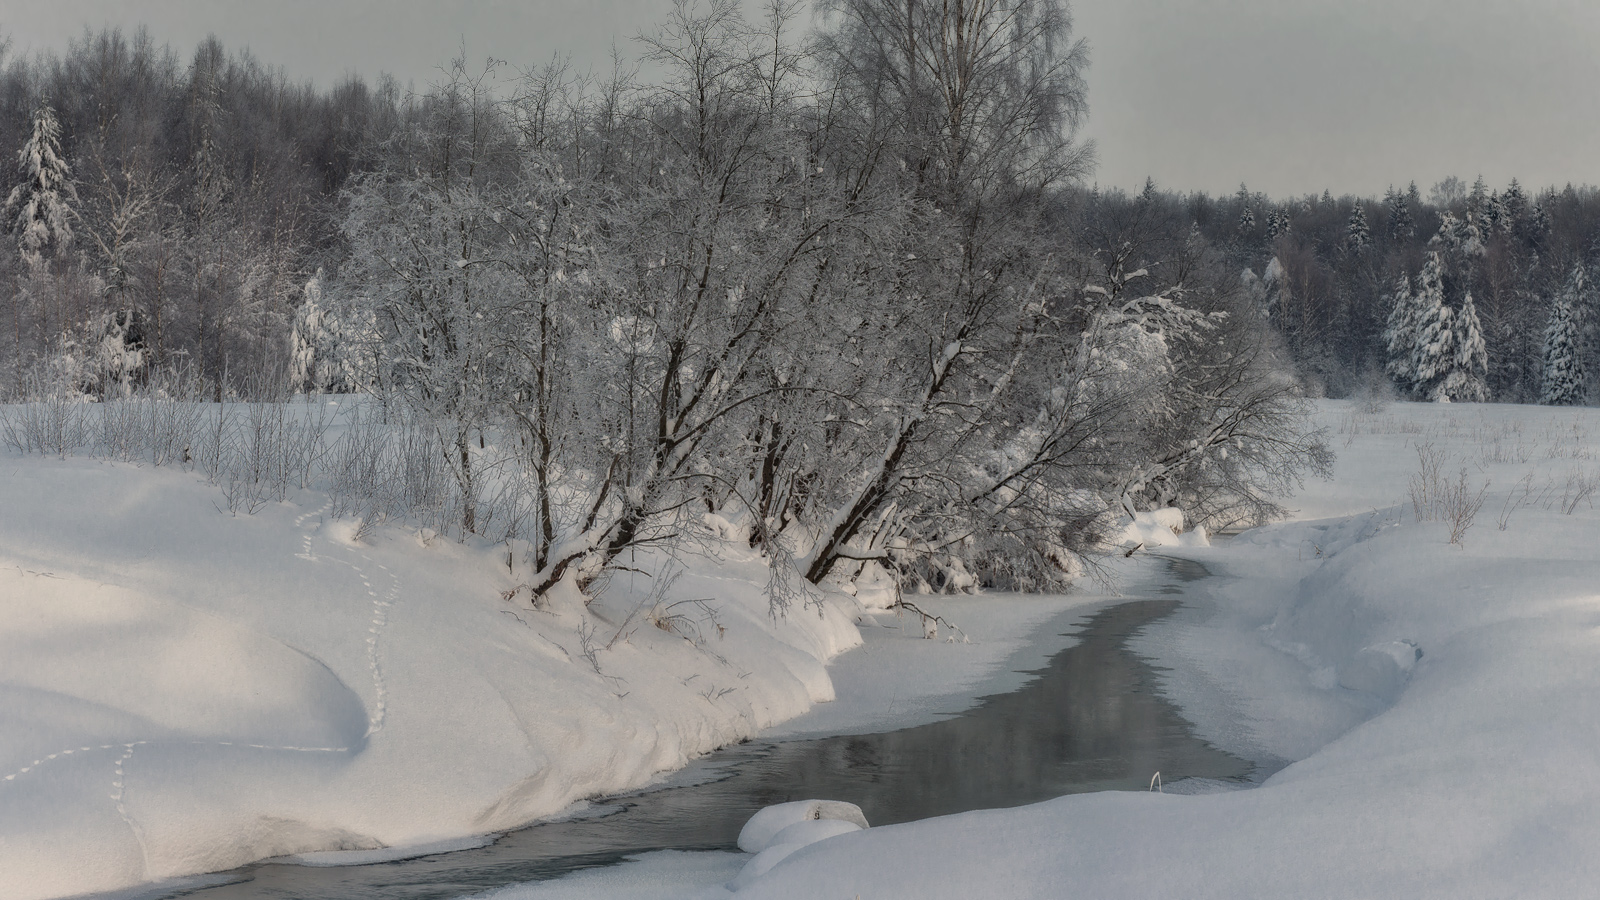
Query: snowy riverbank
{"points": [[1435, 703], [184, 691]]}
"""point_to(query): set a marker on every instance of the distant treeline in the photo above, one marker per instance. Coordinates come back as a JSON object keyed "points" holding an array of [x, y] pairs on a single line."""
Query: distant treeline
{"points": [[1327, 269]]}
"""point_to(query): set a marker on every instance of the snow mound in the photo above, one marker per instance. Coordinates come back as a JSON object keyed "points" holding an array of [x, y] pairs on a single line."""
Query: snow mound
{"points": [[1161, 528], [760, 832], [777, 832], [185, 691], [1380, 669]]}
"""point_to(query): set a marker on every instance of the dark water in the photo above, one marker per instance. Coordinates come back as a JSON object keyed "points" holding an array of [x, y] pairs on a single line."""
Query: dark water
{"points": [[1090, 721]]}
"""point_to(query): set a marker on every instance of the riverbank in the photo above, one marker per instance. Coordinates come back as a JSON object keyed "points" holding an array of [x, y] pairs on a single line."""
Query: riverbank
{"points": [[183, 690], [1434, 703]]}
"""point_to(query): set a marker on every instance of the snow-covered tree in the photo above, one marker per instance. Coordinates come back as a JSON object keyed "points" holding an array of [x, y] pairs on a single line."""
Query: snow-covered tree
{"points": [[1357, 237], [114, 355], [1562, 383], [43, 220], [1277, 224], [1449, 358], [1401, 225], [1466, 380], [1400, 333], [315, 363], [1434, 354]]}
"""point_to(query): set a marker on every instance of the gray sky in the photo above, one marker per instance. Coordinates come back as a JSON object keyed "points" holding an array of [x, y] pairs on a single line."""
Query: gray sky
{"points": [[1290, 96]]}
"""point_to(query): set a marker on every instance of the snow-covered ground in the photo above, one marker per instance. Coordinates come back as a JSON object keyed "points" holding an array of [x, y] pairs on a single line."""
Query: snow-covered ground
{"points": [[183, 691], [1436, 706], [237, 687]]}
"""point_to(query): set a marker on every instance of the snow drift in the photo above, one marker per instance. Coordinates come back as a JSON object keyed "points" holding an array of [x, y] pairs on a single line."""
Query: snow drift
{"points": [[185, 691]]}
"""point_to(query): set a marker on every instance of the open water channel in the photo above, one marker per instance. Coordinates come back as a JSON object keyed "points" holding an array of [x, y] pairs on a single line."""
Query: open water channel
{"points": [[1090, 720]]}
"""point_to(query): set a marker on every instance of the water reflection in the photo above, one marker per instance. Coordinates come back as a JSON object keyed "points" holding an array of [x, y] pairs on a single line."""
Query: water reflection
{"points": [[1090, 721]]}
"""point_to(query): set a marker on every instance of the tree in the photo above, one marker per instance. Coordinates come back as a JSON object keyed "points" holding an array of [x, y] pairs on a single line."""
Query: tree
{"points": [[1356, 235], [1434, 351], [1562, 382], [43, 220], [1401, 332], [1401, 224], [1465, 383], [978, 101]]}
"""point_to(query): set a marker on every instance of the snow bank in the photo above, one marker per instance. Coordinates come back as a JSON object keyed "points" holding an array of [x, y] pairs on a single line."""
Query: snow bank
{"points": [[185, 691], [1436, 707], [1161, 528]]}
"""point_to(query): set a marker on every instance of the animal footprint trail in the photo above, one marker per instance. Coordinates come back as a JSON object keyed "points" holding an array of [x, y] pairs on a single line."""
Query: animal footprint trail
{"points": [[380, 620], [381, 605]]}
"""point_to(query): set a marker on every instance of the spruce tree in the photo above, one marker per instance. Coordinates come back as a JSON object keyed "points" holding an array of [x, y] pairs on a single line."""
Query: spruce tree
{"points": [[1357, 237], [1466, 382], [1563, 377], [1401, 225], [1277, 224], [43, 218], [1400, 334], [1433, 354]]}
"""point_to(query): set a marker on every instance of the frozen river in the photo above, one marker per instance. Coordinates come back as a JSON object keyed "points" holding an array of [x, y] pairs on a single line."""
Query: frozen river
{"points": [[1090, 720]]}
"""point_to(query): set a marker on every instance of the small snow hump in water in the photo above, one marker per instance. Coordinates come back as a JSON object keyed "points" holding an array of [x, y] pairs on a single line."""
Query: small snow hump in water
{"points": [[758, 833], [778, 831]]}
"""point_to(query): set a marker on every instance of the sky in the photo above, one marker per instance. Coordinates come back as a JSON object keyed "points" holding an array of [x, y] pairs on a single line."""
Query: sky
{"points": [[1288, 96]]}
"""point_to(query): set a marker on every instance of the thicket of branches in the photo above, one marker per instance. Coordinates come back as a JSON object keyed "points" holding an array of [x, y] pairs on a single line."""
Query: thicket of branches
{"points": [[840, 296]]}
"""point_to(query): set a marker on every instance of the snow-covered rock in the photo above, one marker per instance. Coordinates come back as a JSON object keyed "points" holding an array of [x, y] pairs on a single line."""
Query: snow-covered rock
{"points": [[759, 833]]}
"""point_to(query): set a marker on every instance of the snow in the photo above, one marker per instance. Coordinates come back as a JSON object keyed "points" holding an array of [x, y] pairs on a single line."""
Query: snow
{"points": [[1161, 528], [184, 691], [1435, 707], [773, 825], [1428, 711]]}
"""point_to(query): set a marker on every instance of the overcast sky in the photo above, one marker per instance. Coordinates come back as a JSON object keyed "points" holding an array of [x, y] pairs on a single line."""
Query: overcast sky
{"points": [[1290, 96]]}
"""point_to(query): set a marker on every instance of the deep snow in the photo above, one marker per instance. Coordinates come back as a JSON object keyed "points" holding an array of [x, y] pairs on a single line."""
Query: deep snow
{"points": [[1433, 705], [1469, 770], [185, 691], [1472, 773]]}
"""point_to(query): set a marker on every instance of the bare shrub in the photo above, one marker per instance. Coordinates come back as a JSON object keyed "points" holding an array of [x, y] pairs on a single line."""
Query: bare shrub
{"points": [[1437, 498], [1579, 488]]}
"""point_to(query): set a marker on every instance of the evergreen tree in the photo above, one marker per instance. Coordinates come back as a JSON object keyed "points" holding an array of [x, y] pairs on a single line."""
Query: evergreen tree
{"points": [[1356, 235], [1477, 200], [43, 218], [1400, 333], [1467, 380], [1515, 203], [1434, 351], [1401, 225], [1277, 224], [1563, 377]]}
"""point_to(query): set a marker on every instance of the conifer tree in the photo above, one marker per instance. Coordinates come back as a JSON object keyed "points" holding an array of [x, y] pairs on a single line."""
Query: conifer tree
{"points": [[1401, 225], [1357, 237], [1466, 382], [1434, 351], [1277, 224], [1400, 334], [1435, 354], [1563, 377], [43, 218]]}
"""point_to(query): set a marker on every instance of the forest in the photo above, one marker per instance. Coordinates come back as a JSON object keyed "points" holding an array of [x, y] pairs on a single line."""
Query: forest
{"points": [[848, 295]]}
